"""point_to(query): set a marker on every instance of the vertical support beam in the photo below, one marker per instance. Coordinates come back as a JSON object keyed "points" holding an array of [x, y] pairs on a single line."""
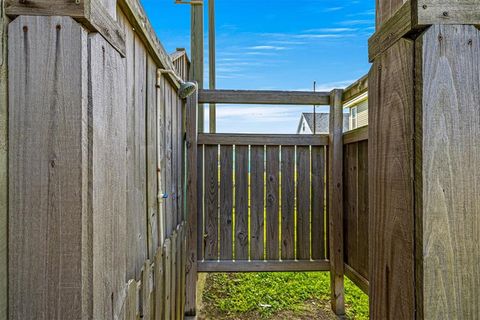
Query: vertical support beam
{"points": [[197, 56], [3, 161], [192, 194], [424, 158], [212, 119], [336, 202]]}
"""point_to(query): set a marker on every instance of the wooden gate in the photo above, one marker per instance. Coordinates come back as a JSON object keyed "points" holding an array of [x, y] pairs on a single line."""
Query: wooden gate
{"points": [[262, 202]]}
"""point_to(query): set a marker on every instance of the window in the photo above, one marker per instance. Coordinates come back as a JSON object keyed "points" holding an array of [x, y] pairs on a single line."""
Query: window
{"points": [[353, 118]]}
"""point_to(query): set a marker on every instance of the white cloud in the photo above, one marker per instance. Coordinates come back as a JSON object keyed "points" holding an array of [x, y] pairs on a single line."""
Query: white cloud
{"points": [[267, 48]]}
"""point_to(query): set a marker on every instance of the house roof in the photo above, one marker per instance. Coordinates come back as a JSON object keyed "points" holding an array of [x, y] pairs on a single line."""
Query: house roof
{"points": [[322, 121]]}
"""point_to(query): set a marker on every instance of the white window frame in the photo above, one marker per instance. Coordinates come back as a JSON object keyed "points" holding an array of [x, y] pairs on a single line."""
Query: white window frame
{"points": [[354, 117]]}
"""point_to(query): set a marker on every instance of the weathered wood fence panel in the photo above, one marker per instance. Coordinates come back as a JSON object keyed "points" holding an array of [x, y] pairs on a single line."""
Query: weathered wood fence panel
{"points": [[249, 210], [49, 168], [97, 208], [356, 213]]}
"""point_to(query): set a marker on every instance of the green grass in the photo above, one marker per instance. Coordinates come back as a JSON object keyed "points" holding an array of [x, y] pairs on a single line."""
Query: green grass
{"points": [[267, 294]]}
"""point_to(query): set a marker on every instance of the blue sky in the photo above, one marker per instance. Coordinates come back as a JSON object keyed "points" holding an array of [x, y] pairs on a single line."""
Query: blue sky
{"points": [[275, 45]]}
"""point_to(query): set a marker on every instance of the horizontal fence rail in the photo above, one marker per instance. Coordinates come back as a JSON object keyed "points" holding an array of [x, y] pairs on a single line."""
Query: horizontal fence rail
{"points": [[262, 205], [264, 97]]}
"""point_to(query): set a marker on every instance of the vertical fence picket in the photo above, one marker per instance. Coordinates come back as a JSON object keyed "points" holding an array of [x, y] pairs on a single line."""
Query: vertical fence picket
{"points": [[241, 202], [288, 202], [272, 202], [211, 202], [257, 163], [226, 202], [303, 203]]}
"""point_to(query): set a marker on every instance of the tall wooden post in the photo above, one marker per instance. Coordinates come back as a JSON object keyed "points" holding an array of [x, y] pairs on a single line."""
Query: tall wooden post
{"points": [[3, 162], [335, 202], [212, 119], [424, 161], [197, 56], [192, 194]]}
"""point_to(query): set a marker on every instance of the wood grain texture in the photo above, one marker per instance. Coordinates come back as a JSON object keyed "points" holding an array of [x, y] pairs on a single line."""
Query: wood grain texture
{"points": [[272, 203], [48, 169], [47, 8], [363, 211], [350, 207], [264, 266], [211, 202], [257, 202], [356, 135], [161, 161], [386, 9], [303, 203], [197, 56], [108, 105], [390, 154], [336, 203], [137, 251], [226, 202], [288, 202], [159, 278], [193, 195], [241, 202], [200, 201], [263, 139], [169, 213], [264, 97], [318, 203], [167, 313], [152, 153], [132, 311], [147, 311], [356, 89], [447, 170], [3, 161], [429, 12]]}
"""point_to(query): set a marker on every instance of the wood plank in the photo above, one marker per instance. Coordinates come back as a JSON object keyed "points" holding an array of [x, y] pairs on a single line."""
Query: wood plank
{"points": [[136, 159], [386, 9], [273, 202], [47, 8], [356, 135], [131, 307], [356, 89], [257, 202], [200, 202], [212, 64], [264, 97], [211, 202], [146, 311], [3, 162], [318, 203], [168, 161], [197, 52], [173, 281], [264, 266], [357, 278], [336, 203], [241, 202], [109, 141], [173, 188], [193, 194], [152, 145], [159, 284], [94, 15], [168, 279], [350, 204], [226, 202], [397, 26], [363, 211], [390, 185], [288, 202], [431, 12], [48, 168], [303, 203], [447, 163], [263, 139], [161, 161], [178, 276], [139, 21]]}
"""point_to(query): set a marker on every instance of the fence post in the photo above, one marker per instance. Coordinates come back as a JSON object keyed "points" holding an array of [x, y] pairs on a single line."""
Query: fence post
{"points": [[335, 201], [191, 204]]}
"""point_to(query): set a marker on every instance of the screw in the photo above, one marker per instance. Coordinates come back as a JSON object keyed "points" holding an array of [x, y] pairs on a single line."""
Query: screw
{"points": [[424, 7], [445, 14]]}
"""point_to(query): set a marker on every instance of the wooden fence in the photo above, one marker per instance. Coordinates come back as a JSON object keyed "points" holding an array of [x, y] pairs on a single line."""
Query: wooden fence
{"points": [[96, 139], [263, 200], [355, 197]]}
